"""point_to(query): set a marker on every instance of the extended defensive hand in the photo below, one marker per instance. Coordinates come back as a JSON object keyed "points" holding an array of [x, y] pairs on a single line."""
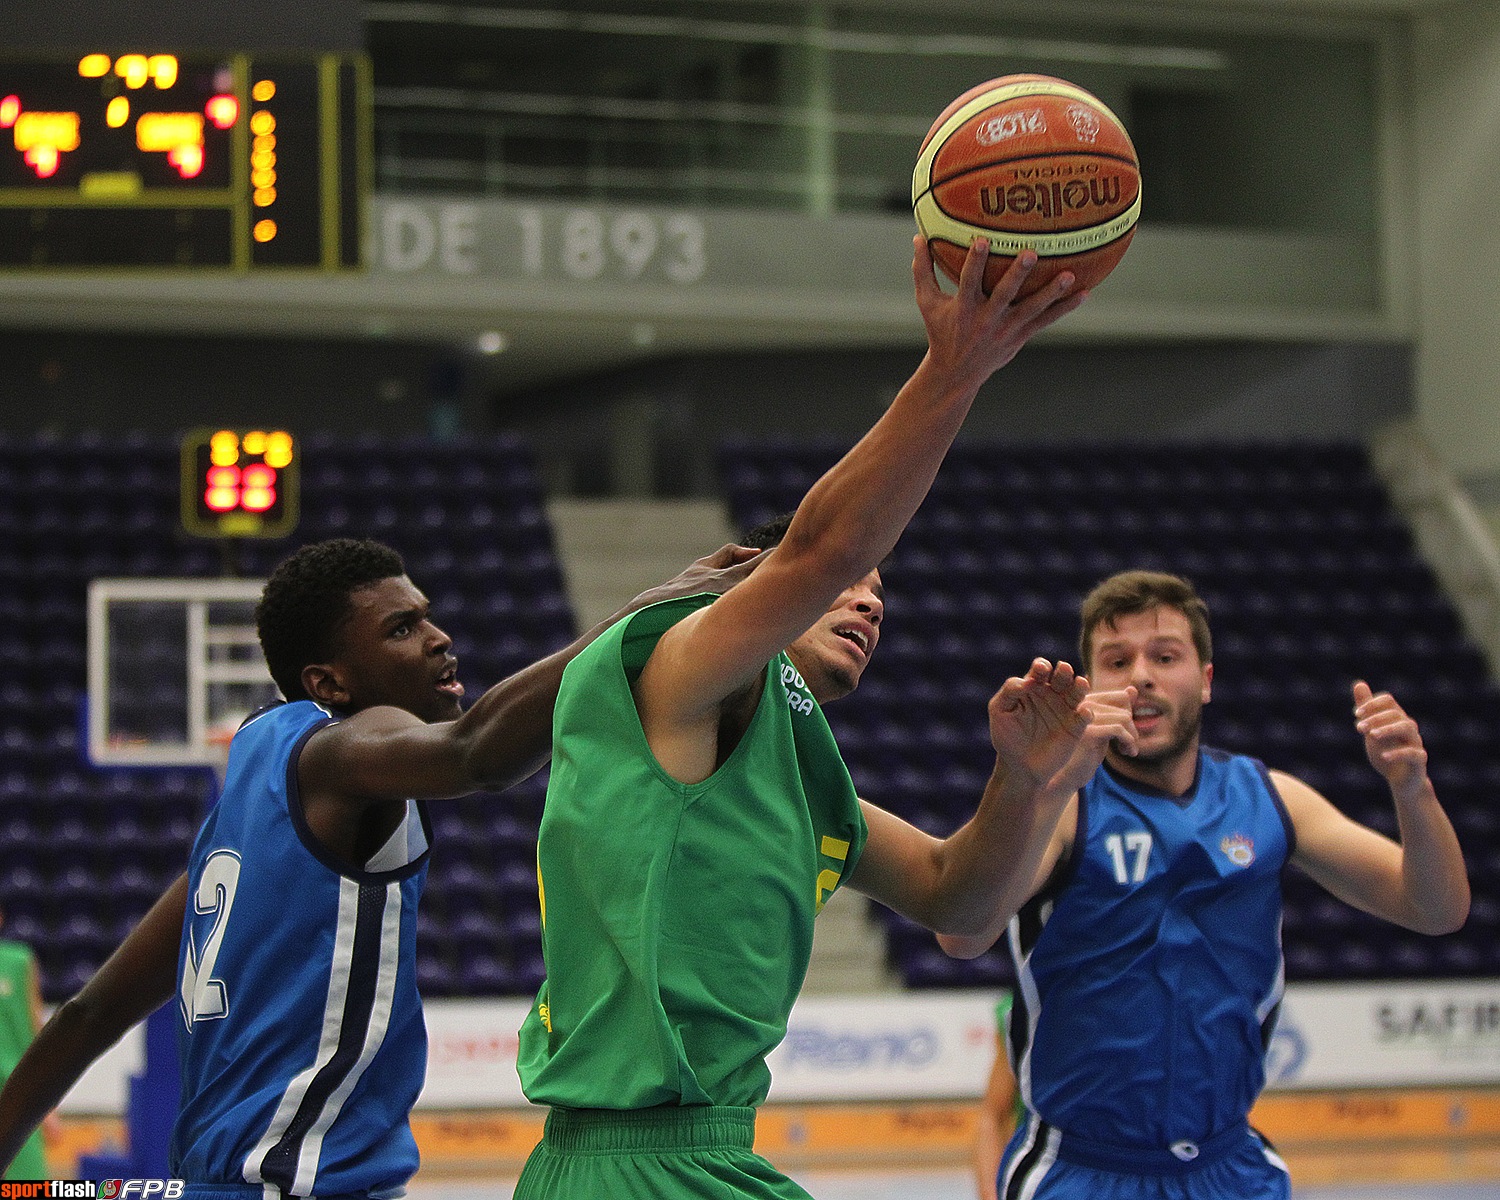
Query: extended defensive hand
{"points": [[1048, 727], [716, 572]]}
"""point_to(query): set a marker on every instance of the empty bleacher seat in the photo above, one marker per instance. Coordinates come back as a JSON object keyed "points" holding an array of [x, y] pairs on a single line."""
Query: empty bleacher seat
{"points": [[468, 516], [1312, 580]]}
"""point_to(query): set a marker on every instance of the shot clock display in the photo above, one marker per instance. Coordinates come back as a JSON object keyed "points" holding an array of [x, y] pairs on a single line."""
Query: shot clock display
{"points": [[153, 159], [239, 483]]}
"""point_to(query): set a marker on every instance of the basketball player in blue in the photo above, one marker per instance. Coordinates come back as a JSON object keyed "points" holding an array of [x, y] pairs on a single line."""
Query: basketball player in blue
{"points": [[1148, 937], [288, 947]]}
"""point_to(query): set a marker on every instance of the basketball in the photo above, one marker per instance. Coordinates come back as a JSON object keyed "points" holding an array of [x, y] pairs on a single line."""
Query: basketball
{"points": [[1028, 161]]}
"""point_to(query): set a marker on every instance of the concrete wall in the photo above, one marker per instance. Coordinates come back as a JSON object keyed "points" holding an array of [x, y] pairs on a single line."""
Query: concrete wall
{"points": [[1454, 119]]}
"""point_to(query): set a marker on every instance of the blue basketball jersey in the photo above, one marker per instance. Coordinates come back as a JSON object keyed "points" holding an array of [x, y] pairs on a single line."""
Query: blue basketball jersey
{"points": [[1149, 969], [301, 1040]]}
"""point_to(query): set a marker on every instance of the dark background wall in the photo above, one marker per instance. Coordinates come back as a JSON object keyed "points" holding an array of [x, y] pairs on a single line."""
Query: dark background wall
{"points": [[183, 25], [681, 409]]}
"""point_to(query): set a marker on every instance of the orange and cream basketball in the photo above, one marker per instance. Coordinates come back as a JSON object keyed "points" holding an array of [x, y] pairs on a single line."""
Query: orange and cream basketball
{"points": [[1028, 161]]}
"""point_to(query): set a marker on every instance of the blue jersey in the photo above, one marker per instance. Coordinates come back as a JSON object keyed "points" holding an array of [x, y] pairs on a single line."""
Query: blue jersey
{"points": [[1149, 968], [301, 1040]]}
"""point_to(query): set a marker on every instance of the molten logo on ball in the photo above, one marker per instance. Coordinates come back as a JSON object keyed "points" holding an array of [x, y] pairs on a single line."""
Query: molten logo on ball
{"points": [[1028, 162], [1048, 200]]}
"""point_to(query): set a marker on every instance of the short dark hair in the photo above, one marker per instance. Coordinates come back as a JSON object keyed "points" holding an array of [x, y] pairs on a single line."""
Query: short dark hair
{"points": [[768, 534], [1131, 592], [306, 602]]}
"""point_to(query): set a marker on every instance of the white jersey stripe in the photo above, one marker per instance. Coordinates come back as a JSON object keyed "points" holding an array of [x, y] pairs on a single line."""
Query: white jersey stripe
{"points": [[380, 1016], [1038, 1173], [1031, 1000], [328, 1042]]}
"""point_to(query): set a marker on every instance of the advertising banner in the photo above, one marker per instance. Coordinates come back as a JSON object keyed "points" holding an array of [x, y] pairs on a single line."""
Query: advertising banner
{"points": [[912, 1046], [1335, 1035]]}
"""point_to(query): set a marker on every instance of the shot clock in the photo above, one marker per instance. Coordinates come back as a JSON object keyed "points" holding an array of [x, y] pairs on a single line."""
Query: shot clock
{"points": [[155, 159], [239, 483]]}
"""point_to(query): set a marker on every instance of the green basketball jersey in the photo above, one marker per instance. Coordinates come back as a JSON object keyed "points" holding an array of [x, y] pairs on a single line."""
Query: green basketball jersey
{"points": [[677, 918], [15, 1004], [15, 1035]]}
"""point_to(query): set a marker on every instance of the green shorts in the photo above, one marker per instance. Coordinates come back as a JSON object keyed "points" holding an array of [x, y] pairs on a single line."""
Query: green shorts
{"points": [[652, 1154]]}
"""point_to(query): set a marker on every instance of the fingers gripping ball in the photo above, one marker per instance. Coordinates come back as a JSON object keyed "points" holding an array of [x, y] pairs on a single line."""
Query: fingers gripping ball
{"points": [[1028, 161]]}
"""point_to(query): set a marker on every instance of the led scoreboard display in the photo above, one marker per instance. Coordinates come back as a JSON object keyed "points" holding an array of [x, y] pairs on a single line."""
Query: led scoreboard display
{"points": [[239, 483], [149, 159]]}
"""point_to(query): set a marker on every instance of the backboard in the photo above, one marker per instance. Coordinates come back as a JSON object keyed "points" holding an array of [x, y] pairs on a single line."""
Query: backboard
{"points": [[174, 667]]}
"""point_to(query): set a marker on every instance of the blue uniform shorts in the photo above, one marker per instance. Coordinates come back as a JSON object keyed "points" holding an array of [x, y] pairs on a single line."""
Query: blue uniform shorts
{"points": [[1043, 1163]]}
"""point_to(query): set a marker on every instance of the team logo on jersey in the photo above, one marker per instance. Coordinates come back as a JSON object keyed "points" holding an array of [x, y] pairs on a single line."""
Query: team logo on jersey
{"points": [[828, 879], [790, 682], [1239, 849]]}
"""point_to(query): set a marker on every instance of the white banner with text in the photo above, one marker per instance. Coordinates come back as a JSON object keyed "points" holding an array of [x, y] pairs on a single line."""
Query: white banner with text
{"points": [[939, 1046]]}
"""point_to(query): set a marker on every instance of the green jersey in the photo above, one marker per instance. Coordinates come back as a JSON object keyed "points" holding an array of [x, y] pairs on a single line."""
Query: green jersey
{"points": [[15, 1004], [677, 918], [16, 965]]}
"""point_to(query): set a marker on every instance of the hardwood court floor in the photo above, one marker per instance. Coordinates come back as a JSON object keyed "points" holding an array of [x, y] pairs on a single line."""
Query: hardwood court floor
{"points": [[951, 1184], [955, 1185]]}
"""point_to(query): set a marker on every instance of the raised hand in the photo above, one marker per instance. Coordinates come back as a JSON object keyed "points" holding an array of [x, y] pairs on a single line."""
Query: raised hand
{"points": [[971, 335], [1393, 743], [1048, 727]]}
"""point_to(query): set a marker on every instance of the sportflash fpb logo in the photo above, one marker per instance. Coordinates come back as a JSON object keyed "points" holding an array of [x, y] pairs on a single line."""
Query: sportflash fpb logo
{"points": [[87, 1189]]}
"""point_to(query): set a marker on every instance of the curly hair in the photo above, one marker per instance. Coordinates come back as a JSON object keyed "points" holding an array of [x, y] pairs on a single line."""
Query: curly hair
{"points": [[306, 602], [1131, 592], [768, 534]]}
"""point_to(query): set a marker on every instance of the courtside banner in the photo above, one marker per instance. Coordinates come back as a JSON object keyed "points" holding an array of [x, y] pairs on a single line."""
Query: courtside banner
{"points": [[939, 1045], [910, 1046], [1387, 1035], [471, 1054]]}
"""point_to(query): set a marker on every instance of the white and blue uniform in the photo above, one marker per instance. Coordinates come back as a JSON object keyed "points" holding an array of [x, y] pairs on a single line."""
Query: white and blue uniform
{"points": [[1149, 978], [301, 1040]]}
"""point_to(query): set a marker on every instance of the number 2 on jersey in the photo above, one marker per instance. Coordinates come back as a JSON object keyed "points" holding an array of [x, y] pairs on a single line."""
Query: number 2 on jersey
{"points": [[203, 996], [1136, 845]]}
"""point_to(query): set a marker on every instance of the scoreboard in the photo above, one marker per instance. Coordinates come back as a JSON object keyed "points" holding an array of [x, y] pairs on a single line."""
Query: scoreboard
{"points": [[146, 158], [239, 483]]}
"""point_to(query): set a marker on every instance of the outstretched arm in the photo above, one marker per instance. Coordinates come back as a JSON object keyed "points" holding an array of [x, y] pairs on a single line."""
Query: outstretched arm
{"points": [[1049, 736], [850, 519], [135, 981], [1420, 883], [505, 736]]}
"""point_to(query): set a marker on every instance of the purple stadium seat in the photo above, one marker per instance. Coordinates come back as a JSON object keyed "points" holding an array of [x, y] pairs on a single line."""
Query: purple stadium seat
{"points": [[485, 975], [435, 977]]}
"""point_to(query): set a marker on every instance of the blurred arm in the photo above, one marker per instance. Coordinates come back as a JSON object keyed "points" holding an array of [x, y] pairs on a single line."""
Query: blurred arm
{"points": [[137, 979]]}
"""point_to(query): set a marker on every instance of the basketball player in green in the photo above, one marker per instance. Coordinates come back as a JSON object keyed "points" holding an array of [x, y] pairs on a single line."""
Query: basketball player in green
{"points": [[699, 813], [20, 1018]]}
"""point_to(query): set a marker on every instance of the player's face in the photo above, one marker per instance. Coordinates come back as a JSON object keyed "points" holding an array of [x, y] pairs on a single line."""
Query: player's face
{"points": [[1154, 652], [390, 652], [831, 656]]}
